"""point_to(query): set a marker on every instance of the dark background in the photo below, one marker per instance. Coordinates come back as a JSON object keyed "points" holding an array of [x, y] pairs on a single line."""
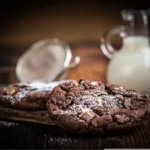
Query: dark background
{"points": [[24, 22]]}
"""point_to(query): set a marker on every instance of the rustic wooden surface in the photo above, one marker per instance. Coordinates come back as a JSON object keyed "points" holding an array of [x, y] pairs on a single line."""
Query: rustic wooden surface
{"points": [[25, 115], [31, 135], [93, 63]]}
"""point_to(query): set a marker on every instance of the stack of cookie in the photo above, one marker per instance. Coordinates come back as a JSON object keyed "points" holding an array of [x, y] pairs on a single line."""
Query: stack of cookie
{"points": [[81, 106]]}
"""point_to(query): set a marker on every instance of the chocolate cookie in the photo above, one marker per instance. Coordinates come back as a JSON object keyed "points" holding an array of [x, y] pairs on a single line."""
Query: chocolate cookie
{"points": [[92, 106], [25, 95]]}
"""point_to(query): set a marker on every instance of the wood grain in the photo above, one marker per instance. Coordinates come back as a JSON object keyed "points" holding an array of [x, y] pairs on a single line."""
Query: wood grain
{"points": [[32, 135], [93, 63], [25, 116]]}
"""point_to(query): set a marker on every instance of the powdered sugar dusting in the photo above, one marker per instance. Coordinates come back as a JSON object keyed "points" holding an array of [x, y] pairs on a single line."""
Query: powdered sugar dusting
{"points": [[85, 103], [8, 124], [43, 85], [24, 89]]}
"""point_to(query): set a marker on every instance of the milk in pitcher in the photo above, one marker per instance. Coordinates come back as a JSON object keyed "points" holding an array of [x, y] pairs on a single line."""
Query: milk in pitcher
{"points": [[130, 66]]}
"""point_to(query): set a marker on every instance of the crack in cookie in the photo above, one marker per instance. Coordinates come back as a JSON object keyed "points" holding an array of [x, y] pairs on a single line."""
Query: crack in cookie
{"points": [[92, 106]]}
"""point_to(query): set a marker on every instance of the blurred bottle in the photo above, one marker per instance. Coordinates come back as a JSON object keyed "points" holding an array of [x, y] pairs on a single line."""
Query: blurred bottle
{"points": [[130, 66]]}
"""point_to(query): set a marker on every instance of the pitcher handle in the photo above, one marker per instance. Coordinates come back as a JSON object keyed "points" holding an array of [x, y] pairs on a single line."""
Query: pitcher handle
{"points": [[105, 40]]}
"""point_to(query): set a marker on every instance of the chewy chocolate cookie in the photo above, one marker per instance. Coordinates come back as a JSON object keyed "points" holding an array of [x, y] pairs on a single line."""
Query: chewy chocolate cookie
{"points": [[25, 95], [92, 106]]}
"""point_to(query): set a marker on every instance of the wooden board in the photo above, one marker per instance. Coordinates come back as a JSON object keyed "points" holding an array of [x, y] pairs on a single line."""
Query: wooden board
{"points": [[25, 116]]}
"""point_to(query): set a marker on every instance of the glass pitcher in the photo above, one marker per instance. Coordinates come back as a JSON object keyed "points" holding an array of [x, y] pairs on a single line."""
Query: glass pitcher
{"points": [[130, 66]]}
